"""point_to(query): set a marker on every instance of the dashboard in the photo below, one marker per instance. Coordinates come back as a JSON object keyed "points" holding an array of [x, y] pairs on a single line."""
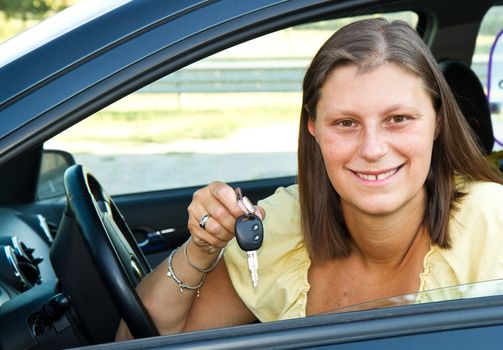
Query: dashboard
{"points": [[25, 240]]}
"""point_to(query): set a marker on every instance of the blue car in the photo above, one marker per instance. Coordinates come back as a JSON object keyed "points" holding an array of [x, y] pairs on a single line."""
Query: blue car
{"points": [[112, 113]]}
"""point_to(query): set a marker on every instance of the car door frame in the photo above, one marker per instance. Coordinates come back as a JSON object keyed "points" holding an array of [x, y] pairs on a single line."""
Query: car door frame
{"points": [[465, 323]]}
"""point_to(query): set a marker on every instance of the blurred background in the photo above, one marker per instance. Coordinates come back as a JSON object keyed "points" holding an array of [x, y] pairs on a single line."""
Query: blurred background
{"points": [[18, 15]]}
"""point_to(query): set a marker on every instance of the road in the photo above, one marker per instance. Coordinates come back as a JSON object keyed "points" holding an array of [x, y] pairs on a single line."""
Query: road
{"points": [[186, 163], [138, 173]]}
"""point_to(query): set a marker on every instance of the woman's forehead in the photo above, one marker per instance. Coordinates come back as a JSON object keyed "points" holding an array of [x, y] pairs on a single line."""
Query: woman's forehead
{"points": [[345, 81], [386, 81]]}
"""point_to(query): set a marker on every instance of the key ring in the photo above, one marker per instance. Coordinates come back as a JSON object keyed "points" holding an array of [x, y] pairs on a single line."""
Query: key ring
{"points": [[244, 203]]}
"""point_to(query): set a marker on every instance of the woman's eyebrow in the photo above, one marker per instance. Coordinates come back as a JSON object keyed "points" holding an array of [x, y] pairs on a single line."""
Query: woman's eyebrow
{"points": [[399, 107], [354, 113]]}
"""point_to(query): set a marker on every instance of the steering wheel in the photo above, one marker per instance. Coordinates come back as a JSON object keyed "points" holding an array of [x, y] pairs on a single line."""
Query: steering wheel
{"points": [[110, 246]]}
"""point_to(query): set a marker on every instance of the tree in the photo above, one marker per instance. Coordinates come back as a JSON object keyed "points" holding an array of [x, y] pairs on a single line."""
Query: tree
{"points": [[27, 9]]}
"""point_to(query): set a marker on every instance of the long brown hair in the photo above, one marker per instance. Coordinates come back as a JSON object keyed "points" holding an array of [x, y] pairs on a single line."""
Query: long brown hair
{"points": [[367, 44]]}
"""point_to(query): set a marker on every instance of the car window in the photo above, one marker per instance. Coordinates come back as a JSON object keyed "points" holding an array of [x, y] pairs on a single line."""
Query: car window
{"points": [[487, 63], [230, 117], [463, 291]]}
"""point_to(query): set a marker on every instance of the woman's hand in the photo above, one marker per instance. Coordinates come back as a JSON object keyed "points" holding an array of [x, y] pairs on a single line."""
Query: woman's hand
{"points": [[217, 200]]}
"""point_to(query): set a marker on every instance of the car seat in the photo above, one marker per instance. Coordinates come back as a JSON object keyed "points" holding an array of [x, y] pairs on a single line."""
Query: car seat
{"points": [[471, 99]]}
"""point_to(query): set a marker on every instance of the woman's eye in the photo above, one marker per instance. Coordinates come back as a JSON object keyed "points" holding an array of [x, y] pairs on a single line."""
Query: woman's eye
{"points": [[346, 123], [397, 119]]}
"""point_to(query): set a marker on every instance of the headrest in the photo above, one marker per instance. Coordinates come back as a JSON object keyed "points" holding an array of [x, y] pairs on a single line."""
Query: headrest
{"points": [[471, 99]]}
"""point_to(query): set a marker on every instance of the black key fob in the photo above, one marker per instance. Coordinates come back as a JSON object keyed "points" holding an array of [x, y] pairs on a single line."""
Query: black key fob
{"points": [[249, 232]]}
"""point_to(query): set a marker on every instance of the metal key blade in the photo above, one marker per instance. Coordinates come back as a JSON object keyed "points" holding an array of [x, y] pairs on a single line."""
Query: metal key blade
{"points": [[253, 266]]}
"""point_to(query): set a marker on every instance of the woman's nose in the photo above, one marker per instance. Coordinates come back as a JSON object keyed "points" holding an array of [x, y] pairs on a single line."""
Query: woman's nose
{"points": [[373, 145]]}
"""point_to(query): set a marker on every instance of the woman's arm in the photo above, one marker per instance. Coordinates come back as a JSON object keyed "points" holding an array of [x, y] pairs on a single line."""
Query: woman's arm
{"points": [[175, 309]]}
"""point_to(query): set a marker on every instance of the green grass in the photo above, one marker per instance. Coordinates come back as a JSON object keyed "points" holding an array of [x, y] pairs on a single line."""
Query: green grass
{"points": [[153, 126]]}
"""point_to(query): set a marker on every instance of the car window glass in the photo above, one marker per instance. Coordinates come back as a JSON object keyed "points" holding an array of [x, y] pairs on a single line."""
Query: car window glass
{"points": [[230, 117], [487, 63], [463, 291]]}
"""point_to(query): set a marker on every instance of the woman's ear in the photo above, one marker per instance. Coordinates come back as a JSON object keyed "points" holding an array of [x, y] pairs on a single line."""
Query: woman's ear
{"points": [[311, 127]]}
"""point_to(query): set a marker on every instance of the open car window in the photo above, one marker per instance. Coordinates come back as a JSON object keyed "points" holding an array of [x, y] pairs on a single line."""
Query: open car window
{"points": [[230, 117], [208, 120]]}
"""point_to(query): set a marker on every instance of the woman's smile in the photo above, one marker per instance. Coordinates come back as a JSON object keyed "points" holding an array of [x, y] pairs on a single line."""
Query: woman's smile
{"points": [[379, 177]]}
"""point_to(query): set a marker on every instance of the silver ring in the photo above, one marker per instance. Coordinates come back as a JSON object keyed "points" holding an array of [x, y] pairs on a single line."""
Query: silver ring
{"points": [[202, 222], [211, 249]]}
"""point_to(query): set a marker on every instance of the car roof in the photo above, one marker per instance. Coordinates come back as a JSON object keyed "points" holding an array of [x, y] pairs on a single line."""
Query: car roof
{"points": [[54, 27], [80, 37]]}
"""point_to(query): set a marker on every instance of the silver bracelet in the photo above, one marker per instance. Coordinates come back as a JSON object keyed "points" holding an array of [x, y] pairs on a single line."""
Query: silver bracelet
{"points": [[171, 274], [191, 264]]}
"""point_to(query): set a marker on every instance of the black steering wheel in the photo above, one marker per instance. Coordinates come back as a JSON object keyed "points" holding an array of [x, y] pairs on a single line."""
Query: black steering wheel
{"points": [[107, 248]]}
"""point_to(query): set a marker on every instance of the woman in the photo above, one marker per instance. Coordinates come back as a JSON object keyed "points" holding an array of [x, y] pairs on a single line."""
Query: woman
{"points": [[387, 202]]}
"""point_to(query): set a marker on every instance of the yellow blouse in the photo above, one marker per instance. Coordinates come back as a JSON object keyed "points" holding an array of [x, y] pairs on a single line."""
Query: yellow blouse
{"points": [[476, 230]]}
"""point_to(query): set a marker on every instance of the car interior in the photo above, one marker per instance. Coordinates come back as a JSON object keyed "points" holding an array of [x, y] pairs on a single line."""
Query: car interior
{"points": [[471, 99], [54, 292]]}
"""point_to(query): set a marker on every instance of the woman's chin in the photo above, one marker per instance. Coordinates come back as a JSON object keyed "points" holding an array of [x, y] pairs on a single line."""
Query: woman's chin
{"points": [[377, 207]]}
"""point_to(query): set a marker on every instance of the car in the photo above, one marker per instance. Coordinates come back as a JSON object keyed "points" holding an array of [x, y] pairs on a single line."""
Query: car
{"points": [[96, 106]]}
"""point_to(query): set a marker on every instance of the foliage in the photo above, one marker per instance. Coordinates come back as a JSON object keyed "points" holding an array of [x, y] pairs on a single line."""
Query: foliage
{"points": [[29, 9]]}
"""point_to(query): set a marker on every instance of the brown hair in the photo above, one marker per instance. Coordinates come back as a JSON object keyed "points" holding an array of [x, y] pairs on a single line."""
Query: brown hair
{"points": [[367, 44]]}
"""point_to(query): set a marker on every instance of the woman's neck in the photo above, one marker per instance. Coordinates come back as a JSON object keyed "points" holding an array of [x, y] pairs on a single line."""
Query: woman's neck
{"points": [[388, 241]]}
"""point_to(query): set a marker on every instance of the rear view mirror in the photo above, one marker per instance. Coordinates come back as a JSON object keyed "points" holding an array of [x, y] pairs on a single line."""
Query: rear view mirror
{"points": [[52, 169]]}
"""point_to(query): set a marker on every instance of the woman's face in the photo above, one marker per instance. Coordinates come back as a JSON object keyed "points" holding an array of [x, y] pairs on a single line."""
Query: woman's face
{"points": [[376, 131]]}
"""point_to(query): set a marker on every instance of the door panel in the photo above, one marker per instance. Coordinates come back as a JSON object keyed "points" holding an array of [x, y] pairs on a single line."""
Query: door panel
{"points": [[166, 211]]}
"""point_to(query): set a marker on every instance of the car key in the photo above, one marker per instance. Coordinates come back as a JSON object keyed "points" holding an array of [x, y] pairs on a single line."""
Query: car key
{"points": [[249, 234]]}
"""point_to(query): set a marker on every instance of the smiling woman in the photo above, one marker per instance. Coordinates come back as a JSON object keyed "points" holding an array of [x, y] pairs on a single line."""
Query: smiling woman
{"points": [[383, 195]]}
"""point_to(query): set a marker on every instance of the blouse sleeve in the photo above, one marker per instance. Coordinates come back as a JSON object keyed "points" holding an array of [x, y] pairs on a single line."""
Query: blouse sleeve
{"points": [[283, 262]]}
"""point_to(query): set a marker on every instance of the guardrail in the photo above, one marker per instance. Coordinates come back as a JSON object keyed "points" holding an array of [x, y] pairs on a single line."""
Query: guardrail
{"points": [[234, 76], [246, 76]]}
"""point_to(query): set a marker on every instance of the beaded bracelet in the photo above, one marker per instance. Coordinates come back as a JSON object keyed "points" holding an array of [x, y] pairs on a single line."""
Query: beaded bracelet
{"points": [[191, 264], [171, 274]]}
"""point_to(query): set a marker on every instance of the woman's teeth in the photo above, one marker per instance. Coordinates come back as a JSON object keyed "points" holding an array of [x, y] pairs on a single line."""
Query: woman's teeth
{"points": [[382, 176]]}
